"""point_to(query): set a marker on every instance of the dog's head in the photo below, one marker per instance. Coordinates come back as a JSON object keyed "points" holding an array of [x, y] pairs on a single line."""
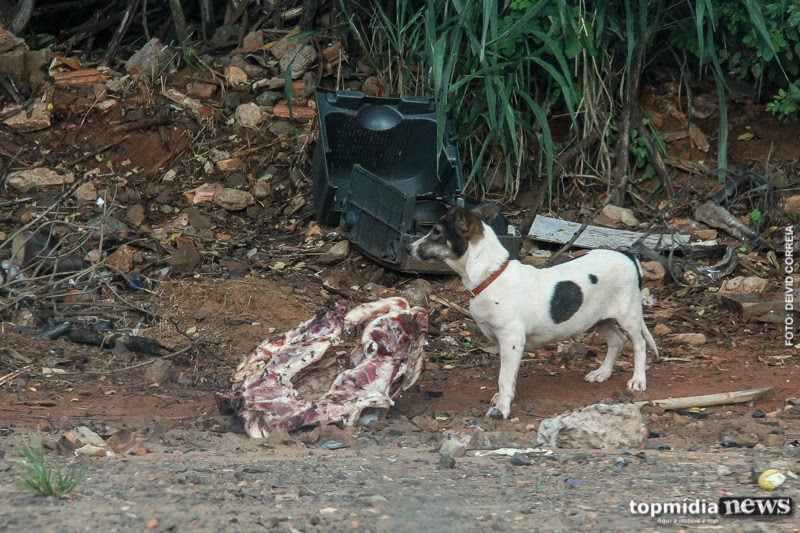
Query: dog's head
{"points": [[453, 233]]}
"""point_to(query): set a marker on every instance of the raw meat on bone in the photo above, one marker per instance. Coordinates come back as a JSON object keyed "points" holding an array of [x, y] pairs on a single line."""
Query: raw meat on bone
{"points": [[394, 348], [387, 359], [289, 353], [367, 312]]}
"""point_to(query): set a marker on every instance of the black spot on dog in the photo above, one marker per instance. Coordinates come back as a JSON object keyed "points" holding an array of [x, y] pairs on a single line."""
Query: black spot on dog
{"points": [[593, 279], [635, 266], [567, 299], [497, 303]]}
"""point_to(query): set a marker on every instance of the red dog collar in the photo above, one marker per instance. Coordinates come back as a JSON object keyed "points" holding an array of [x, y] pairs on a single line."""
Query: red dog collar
{"points": [[488, 281]]}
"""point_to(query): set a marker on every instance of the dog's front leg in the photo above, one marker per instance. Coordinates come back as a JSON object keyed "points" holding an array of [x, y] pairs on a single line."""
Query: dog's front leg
{"points": [[511, 350]]}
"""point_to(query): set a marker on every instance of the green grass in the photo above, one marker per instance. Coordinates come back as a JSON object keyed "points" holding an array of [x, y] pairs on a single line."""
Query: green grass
{"points": [[36, 475], [503, 69]]}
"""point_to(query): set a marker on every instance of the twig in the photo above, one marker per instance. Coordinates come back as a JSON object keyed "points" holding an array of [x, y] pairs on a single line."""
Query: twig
{"points": [[121, 31], [451, 305], [576, 234], [95, 152], [178, 18], [140, 124]]}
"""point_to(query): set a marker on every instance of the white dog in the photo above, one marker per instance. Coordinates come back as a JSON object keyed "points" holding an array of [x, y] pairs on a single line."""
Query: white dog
{"points": [[518, 306]]}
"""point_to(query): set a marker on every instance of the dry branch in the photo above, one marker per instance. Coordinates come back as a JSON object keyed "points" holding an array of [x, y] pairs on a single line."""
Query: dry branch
{"points": [[707, 400]]}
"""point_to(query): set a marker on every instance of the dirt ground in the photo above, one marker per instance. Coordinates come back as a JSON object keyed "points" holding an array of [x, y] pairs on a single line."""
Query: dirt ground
{"points": [[257, 272]]}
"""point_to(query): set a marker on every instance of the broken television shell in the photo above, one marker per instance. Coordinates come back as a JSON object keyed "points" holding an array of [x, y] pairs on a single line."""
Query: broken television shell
{"points": [[377, 176]]}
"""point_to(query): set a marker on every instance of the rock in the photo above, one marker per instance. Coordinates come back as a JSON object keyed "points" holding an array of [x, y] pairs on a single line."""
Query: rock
{"points": [[200, 90], [185, 258], [790, 413], [39, 177], [91, 450], [86, 193], [198, 220], [474, 437], [774, 439], [704, 235], [278, 437], [234, 75], [38, 119], [597, 426], [159, 371], [122, 440], [661, 329], [417, 292], [281, 127], [743, 285], [653, 271], [614, 215], [262, 189], [520, 459], [150, 58], [331, 432], [121, 259], [232, 100], [249, 115], [401, 426], [338, 252], [229, 164], [452, 446], [425, 423], [300, 57], [135, 215], [690, 339], [373, 87], [447, 461], [268, 98], [25, 68], [233, 199], [82, 436], [792, 205]]}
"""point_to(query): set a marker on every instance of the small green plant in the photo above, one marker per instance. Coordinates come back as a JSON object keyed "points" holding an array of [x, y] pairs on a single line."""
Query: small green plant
{"points": [[37, 476], [639, 151], [755, 215], [786, 104]]}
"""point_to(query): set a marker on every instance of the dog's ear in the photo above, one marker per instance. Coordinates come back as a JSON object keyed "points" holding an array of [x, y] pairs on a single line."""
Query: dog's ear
{"points": [[487, 211], [462, 222]]}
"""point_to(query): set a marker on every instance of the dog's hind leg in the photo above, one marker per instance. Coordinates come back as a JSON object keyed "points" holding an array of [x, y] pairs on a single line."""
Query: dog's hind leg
{"points": [[616, 341], [511, 350], [633, 327]]}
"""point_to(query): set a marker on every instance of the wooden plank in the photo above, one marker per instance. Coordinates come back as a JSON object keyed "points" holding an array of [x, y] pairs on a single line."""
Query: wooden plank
{"points": [[755, 307], [561, 231]]}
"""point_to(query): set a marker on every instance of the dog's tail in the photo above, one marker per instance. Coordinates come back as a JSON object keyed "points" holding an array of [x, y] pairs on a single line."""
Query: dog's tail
{"points": [[650, 341]]}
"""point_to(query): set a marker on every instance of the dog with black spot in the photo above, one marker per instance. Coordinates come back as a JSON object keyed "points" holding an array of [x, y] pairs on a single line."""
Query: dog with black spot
{"points": [[521, 307]]}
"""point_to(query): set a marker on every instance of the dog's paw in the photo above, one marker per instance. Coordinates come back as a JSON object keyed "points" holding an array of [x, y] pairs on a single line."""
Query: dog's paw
{"points": [[598, 375], [637, 384]]}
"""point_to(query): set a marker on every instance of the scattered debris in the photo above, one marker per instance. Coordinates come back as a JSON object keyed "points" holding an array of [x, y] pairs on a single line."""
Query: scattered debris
{"points": [[612, 215], [597, 426], [718, 217], [510, 452]]}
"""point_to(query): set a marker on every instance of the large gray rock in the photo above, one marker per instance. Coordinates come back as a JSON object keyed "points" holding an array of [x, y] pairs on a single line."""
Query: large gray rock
{"points": [[453, 447], [597, 426]]}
